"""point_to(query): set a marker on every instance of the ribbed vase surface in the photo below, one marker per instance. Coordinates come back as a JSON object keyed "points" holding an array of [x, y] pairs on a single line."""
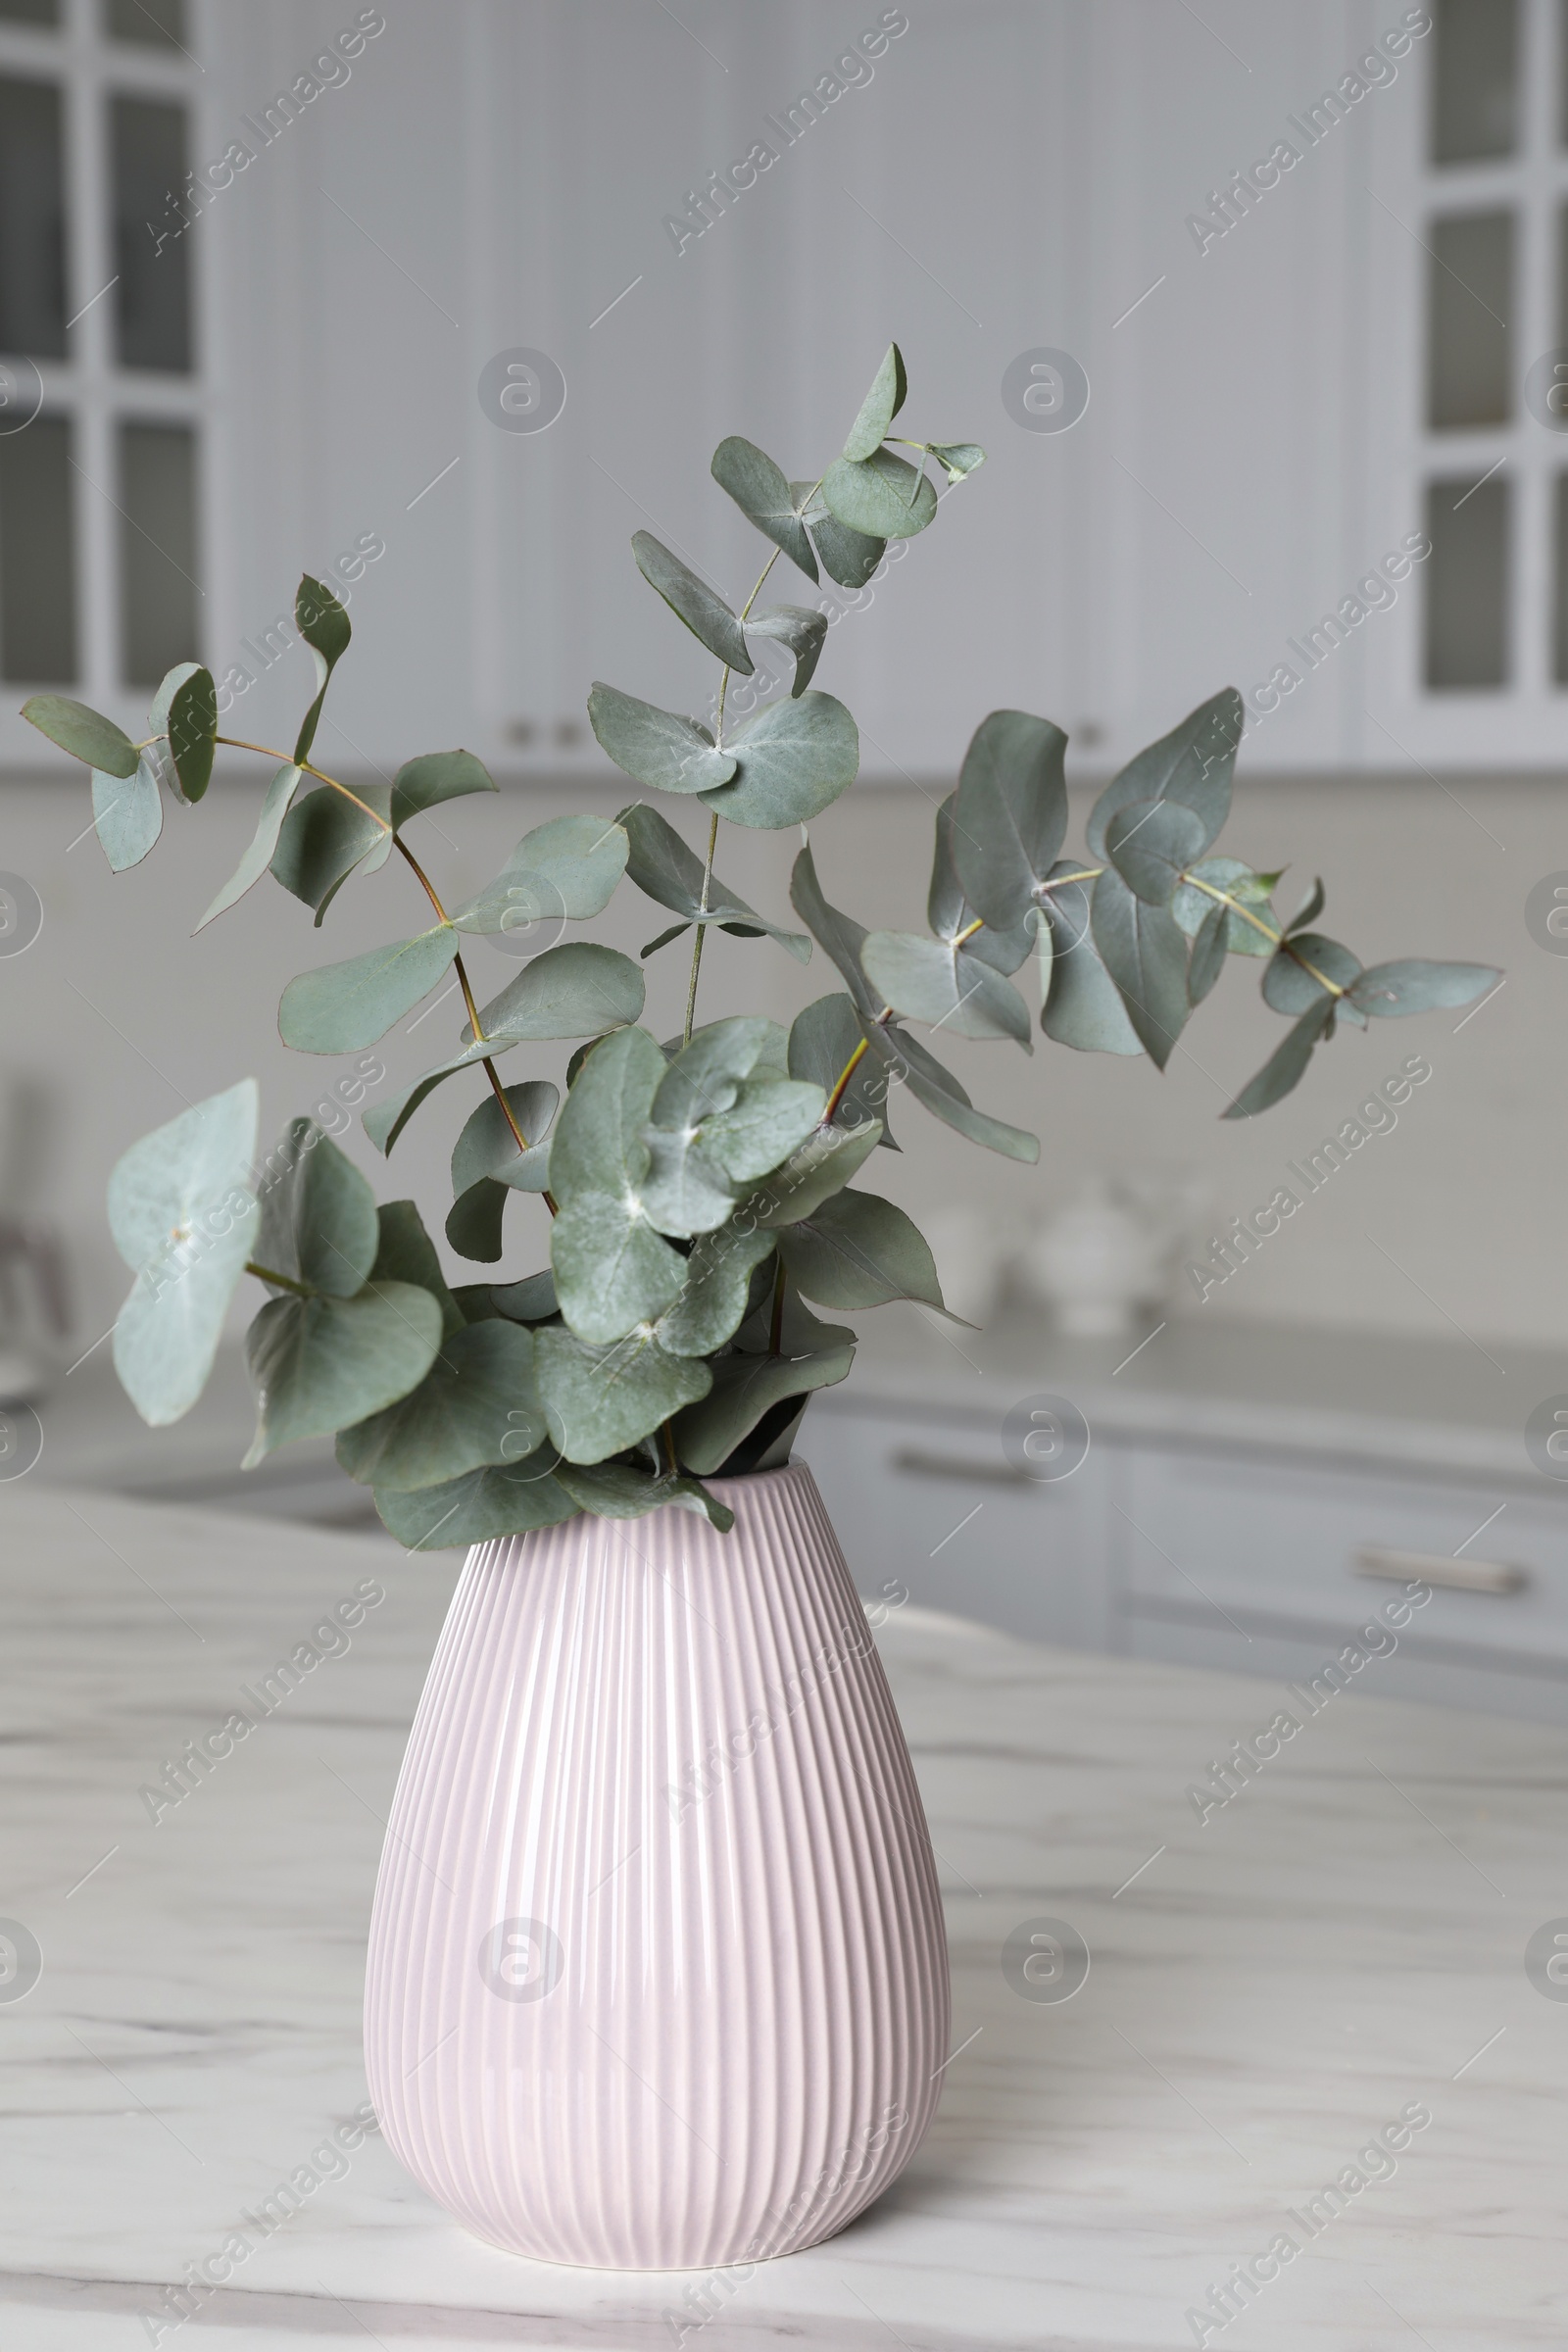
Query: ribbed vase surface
{"points": [[658, 1977]]}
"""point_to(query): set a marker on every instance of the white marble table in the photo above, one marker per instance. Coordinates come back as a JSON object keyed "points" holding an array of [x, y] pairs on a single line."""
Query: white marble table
{"points": [[1268, 1990]]}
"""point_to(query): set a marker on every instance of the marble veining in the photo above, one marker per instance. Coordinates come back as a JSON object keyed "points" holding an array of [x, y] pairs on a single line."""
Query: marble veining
{"points": [[1267, 1988]]}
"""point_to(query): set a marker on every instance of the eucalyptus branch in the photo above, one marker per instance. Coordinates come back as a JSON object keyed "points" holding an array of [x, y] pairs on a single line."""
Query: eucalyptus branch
{"points": [[283, 1282]]}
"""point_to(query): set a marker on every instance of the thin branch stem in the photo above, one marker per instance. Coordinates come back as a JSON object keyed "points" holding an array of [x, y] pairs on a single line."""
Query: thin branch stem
{"points": [[844, 1075], [237, 743], [283, 1282], [702, 928]]}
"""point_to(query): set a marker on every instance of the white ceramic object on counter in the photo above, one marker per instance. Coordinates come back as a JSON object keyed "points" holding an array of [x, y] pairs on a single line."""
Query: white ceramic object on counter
{"points": [[1098, 1264], [658, 1975]]}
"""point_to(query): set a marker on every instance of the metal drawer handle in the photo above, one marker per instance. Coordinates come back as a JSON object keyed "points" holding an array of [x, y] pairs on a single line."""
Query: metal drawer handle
{"points": [[941, 1465], [1434, 1568]]}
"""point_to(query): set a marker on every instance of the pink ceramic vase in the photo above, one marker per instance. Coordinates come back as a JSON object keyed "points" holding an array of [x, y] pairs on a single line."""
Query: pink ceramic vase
{"points": [[658, 1977]]}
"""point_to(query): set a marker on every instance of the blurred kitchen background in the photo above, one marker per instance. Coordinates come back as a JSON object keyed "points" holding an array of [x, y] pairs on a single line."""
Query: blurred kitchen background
{"points": [[1258, 310]]}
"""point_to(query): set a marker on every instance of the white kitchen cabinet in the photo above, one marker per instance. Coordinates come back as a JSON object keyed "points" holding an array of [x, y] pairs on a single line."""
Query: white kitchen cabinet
{"points": [[1249, 1500]]}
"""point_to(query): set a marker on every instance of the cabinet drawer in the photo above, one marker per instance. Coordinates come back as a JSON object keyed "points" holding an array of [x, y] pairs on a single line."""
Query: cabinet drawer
{"points": [[933, 1505], [1256, 1544]]}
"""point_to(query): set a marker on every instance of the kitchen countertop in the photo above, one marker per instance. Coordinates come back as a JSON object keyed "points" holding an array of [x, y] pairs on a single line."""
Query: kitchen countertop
{"points": [[1343, 1941], [1456, 1404]]}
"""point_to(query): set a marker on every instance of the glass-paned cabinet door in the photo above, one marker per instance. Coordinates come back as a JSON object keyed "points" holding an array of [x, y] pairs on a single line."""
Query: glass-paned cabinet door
{"points": [[101, 382], [1467, 390]]}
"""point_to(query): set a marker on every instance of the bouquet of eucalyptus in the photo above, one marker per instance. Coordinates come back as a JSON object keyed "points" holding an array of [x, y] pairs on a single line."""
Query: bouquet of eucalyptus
{"points": [[703, 1188]]}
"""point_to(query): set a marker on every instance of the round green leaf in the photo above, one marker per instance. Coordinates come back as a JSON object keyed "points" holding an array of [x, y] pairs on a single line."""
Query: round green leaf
{"points": [[129, 815], [193, 731], [765, 497], [1150, 844], [437, 776], [661, 750], [1010, 814], [882, 496], [184, 1217], [794, 757], [1289, 987], [600, 1401], [858, 1251], [343, 1006], [705, 612], [319, 1216], [475, 1407], [479, 1507], [85, 734], [881, 405], [318, 1365], [263, 841], [928, 980]]}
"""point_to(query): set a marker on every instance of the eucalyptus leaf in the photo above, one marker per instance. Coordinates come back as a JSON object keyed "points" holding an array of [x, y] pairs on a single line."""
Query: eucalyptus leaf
{"points": [[480, 1507], [659, 749], [1311, 908], [184, 1219], [956, 923], [802, 630], [475, 1408], [318, 1364], [1414, 985], [85, 734], [848, 557], [822, 1165], [905, 1062], [769, 1120], [579, 989], [765, 497], [857, 1251], [889, 387], [437, 776], [488, 1147], [569, 866], [1150, 844], [1286, 1066], [193, 731], [937, 983], [711, 1303], [1192, 906], [614, 1491], [326, 837], [1083, 1007], [612, 1270], [705, 612], [838, 935], [1144, 953], [882, 496], [1289, 987], [744, 1387], [343, 1006], [475, 1219], [157, 753], [598, 1144], [660, 864], [324, 626], [822, 1044], [570, 990], [263, 841], [1010, 815], [319, 1217], [532, 1300], [405, 1252], [600, 1401], [1193, 763], [1206, 960], [706, 1075], [956, 458], [129, 815], [793, 758]]}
